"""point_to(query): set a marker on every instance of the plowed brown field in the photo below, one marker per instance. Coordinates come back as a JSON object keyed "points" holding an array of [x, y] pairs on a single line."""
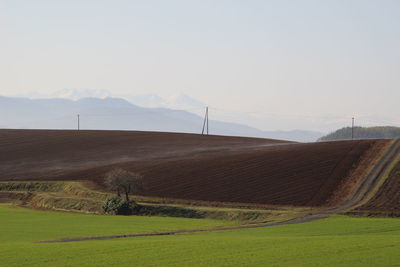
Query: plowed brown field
{"points": [[185, 166]]}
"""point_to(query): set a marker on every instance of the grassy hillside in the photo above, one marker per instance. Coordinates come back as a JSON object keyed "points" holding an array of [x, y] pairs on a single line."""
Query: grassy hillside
{"points": [[378, 132], [336, 241]]}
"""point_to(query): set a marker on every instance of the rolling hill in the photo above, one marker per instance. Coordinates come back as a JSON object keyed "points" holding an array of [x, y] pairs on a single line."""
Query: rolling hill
{"points": [[187, 166]]}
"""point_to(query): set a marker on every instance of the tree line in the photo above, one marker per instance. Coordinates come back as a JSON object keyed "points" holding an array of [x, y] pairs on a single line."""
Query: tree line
{"points": [[376, 132]]}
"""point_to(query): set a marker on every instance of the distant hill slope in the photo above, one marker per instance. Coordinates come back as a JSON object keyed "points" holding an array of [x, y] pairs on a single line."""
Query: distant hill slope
{"points": [[120, 114], [378, 132]]}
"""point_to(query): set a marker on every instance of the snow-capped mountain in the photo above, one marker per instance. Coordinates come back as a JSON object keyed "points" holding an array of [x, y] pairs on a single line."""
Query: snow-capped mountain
{"points": [[73, 94], [76, 94], [176, 101], [147, 101], [183, 101], [179, 101]]}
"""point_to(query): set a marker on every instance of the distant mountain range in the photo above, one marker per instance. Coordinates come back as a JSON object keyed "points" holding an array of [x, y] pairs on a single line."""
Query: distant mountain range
{"points": [[175, 101], [377, 132], [109, 113]]}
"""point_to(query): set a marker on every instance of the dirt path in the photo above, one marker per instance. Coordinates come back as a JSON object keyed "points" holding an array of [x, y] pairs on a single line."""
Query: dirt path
{"points": [[363, 193]]}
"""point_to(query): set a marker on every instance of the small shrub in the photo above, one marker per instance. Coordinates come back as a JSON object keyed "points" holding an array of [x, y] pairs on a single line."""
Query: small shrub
{"points": [[118, 206]]}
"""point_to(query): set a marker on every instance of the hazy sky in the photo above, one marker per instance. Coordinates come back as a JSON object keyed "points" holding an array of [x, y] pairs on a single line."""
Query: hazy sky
{"points": [[304, 58]]}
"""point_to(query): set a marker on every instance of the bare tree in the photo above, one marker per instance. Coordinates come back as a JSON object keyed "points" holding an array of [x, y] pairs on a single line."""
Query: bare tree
{"points": [[122, 181]]}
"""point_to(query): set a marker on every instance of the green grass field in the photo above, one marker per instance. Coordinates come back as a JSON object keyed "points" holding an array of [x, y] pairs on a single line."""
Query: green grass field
{"points": [[336, 241]]}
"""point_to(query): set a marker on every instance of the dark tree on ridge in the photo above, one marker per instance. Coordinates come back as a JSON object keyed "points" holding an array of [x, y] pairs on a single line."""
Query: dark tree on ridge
{"points": [[123, 182]]}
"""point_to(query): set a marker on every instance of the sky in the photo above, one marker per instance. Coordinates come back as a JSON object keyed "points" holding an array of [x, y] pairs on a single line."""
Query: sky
{"points": [[304, 60]]}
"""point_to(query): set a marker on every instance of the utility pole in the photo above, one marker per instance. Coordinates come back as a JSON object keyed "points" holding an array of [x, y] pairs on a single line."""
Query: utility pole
{"points": [[207, 119], [352, 128], [205, 123], [78, 122]]}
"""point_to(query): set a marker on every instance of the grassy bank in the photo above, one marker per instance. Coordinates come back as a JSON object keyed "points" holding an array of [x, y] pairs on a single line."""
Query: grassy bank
{"points": [[77, 197]]}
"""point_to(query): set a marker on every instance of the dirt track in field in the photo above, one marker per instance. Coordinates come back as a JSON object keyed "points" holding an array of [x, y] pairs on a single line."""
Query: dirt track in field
{"points": [[386, 201], [186, 166]]}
